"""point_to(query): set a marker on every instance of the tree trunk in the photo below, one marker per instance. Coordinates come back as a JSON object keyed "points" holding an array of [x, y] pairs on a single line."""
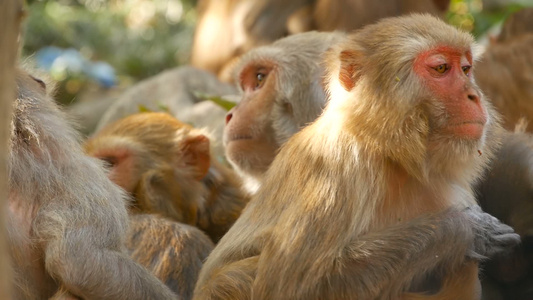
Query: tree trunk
{"points": [[10, 18]]}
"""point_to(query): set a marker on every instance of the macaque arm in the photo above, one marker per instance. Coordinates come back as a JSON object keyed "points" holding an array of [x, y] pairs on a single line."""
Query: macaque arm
{"points": [[102, 272], [232, 281], [387, 260], [492, 236]]}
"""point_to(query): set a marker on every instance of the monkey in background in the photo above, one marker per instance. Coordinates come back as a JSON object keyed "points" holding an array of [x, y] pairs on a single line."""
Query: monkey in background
{"points": [[168, 169], [368, 201], [234, 27], [506, 192], [504, 72], [66, 219], [282, 91]]}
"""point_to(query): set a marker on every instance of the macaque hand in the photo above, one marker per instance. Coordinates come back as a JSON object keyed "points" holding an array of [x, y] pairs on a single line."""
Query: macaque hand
{"points": [[492, 237]]}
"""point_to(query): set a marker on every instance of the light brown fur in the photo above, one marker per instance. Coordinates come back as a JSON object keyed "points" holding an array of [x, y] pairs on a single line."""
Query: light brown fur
{"points": [[330, 221], [66, 219], [167, 167], [172, 251]]}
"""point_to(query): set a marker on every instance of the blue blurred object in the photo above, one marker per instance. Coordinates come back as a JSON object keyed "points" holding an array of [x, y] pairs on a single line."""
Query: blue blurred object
{"points": [[70, 61], [103, 73]]}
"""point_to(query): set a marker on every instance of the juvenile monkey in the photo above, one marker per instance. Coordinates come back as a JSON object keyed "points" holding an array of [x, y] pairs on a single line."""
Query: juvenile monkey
{"points": [[167, 167], [172, 251], [66, 219], [282, 91], [368, 201]]}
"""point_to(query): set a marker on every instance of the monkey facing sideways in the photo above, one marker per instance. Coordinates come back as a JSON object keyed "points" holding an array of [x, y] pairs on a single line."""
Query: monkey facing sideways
{"points": [[66, 219], [369, 201], [168, 169], [282, 91]]}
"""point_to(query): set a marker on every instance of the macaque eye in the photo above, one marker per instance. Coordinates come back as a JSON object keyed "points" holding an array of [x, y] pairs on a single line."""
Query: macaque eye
{"points": [[39, 81], [441, 68], [260, 79], [466, 70]]}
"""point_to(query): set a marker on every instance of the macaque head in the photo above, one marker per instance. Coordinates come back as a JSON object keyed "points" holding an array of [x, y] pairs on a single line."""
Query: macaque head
{"points": [[420, 68], [157, 159], [282, 91]]}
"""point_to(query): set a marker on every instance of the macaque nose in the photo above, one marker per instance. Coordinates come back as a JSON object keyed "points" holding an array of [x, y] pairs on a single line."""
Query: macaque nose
{"points": [[473, 96], [229, 115]]}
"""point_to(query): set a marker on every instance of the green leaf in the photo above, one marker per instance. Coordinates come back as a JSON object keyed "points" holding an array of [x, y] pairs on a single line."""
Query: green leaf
{"points": [[162, 107], [143, 109], [224, 103]]}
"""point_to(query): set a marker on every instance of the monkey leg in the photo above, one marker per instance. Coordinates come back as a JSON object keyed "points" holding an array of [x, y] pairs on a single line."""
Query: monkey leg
{"points": [[463, 284], [233, 281]]}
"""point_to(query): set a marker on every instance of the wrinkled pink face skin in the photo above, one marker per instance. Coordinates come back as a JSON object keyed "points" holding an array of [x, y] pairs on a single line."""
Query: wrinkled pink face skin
{"points": [[447, 73]]}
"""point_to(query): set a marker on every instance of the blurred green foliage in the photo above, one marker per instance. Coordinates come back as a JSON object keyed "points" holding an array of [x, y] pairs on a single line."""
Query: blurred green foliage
{"points": [[140, 38], [477, 16]]}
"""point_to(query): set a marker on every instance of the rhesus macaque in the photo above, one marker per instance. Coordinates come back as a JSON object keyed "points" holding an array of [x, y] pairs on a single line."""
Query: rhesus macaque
{"points": [[172, 251], [519, 23], [175, 91], [66, 219], [507, 193], [339, 14], [282, 91], [234, 27], [504, 73], [368, 202], [167, 167]]}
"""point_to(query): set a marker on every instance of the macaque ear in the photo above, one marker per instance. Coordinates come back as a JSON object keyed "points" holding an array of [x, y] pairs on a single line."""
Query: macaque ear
{"points": [[350, 68], [197, 154]]}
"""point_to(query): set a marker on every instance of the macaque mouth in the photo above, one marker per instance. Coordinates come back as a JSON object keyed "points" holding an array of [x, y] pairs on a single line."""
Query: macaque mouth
{"points": [[468, 129], [480, 123]]}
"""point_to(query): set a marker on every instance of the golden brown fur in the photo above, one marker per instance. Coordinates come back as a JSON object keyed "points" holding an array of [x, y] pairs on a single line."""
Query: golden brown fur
{"points": [[172, 251], [167, 167], [66, 219], [366, 202]]}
